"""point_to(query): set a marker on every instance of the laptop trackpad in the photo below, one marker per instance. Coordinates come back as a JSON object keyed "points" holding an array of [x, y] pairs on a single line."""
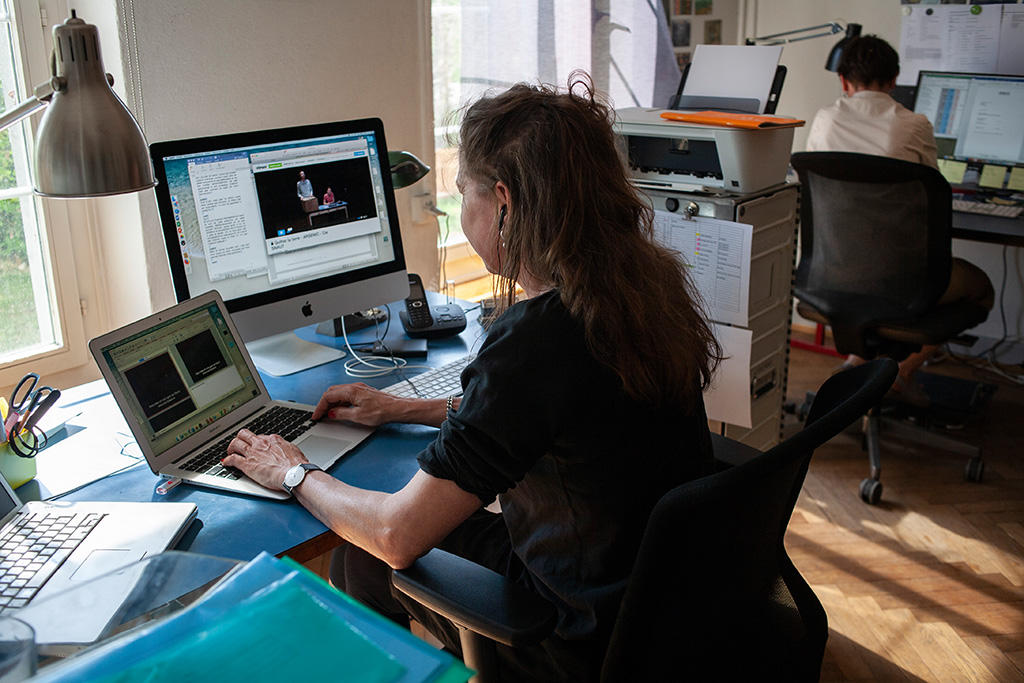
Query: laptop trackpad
{"points": [[322, 449], [101, 561]]}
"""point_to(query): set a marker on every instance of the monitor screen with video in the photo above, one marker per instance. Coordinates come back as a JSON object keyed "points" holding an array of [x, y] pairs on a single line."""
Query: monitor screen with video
{"points": [[292, 226], [979, 129]]}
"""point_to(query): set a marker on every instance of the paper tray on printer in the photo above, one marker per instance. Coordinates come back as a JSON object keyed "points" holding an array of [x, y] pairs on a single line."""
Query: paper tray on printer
{"points": [[732, 120]]}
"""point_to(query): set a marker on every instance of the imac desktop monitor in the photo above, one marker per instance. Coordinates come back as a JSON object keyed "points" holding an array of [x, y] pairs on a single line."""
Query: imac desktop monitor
{"points": [[979, 127], [292, 226]]}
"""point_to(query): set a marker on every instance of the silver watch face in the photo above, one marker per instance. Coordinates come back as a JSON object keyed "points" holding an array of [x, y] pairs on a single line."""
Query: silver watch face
{"points": [[294, 476]]}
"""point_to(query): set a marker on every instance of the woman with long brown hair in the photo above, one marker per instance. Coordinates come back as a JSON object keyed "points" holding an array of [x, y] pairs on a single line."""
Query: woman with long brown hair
{"points": [[582, 407]]}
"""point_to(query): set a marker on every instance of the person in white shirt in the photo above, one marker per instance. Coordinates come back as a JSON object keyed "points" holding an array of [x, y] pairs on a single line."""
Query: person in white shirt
{"points": [[867, 120], [303, 188]]}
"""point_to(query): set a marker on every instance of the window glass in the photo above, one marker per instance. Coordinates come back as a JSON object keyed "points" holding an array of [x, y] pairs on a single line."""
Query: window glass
{"points": [[26, 293]]}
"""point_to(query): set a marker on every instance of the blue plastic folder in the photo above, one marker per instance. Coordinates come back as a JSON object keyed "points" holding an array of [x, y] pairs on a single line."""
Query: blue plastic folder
{"points": [[271, 620]]}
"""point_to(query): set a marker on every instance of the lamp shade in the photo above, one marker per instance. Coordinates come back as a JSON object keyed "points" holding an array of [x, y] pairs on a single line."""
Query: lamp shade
{"points": [[88, 143], [836, 53], [406, 168]]}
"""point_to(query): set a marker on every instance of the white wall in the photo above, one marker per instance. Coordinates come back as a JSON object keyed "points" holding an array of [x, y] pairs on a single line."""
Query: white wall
{"points": [[195, 67], [809, 87]]}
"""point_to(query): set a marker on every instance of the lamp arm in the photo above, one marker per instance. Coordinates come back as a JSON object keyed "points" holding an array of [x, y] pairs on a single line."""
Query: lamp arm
{"points": [[832, 26], [39, 99]]}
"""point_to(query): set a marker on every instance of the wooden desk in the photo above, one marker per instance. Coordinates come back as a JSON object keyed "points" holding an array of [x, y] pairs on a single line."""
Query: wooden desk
{"points": [[239, 527]]}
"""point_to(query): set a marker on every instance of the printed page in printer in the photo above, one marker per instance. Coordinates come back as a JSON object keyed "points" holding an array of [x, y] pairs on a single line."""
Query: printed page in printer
{"points": [[732, 71]]}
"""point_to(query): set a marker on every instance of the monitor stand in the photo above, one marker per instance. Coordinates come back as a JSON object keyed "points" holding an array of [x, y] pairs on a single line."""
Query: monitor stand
{"points": [[287, 353], [353, 322]]}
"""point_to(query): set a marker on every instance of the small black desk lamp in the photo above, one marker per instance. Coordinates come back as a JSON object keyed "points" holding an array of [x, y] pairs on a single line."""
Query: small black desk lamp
{"points": [[406, 169]]}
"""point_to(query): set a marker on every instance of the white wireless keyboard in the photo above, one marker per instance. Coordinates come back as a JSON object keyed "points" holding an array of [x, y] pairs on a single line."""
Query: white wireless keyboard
{"points": [[987, 209], [437, 383]]}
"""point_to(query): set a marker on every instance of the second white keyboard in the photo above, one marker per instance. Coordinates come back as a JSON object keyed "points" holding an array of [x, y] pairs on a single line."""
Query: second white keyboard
{"points": [[437, 383], [987, 208]]}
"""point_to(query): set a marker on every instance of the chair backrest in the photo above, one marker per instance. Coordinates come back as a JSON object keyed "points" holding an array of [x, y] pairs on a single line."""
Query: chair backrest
{"points": [[713, 594], [875, 236]]}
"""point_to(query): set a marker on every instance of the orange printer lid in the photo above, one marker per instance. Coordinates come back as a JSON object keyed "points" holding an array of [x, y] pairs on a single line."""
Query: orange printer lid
{"points": [[722, 118]]}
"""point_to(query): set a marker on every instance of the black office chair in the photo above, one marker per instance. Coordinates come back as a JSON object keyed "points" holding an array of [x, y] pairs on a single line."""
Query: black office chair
{"points": [[713, 594], [875, 257]]}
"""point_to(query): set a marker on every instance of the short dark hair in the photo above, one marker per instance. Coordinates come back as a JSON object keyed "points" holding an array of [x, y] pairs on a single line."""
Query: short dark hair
{"points": [[869, 60]]}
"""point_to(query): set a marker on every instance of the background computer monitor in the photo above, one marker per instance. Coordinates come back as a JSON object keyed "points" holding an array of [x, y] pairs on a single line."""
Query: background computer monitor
{"points": [[979, 126], [233, 220]]}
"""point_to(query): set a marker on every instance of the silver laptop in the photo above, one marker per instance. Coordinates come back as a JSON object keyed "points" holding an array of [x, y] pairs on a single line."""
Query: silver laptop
{"points": [[50, 546], [186, 385]]}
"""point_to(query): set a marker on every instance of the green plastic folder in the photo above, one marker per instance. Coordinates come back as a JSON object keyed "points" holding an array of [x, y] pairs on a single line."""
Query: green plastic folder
{"points": [[269, 620], [281, 634]]}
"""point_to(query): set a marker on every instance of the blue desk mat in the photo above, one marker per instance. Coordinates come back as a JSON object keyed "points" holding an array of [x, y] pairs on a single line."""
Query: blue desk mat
{"points": [[239, 527]]}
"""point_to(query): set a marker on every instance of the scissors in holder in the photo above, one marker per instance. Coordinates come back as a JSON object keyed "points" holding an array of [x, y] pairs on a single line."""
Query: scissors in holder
{"points": [[27, 406]]}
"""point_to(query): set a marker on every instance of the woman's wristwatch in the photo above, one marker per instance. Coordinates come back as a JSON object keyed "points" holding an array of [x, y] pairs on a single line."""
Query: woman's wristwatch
{"points": [[295, 475]]}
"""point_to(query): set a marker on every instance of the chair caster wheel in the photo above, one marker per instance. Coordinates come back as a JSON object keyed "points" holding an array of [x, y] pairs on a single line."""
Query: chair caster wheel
{"points": [[975, 469], [871, 491]]}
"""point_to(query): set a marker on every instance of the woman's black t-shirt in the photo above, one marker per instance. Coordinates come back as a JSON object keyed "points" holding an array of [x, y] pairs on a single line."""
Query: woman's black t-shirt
{"points": [[576, 464]]}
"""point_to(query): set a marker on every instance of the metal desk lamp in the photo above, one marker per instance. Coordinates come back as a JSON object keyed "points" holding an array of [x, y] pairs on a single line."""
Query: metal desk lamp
{"points": [[831, 28], [88, 143]]}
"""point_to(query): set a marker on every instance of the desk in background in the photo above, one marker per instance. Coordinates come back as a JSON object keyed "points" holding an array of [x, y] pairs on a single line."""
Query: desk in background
{"points": [[240, 527], [981, 236], [992, 229]]}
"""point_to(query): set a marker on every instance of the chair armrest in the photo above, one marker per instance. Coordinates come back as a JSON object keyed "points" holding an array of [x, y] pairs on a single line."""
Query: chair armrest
{"points": [[729, 452], [476, 598]]}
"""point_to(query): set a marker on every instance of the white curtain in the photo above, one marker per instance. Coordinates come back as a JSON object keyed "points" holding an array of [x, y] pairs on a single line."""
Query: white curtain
{"points": [[623, 44]]}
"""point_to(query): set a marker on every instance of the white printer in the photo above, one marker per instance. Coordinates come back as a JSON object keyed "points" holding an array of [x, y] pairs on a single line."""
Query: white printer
{"points": [[692, 157]]}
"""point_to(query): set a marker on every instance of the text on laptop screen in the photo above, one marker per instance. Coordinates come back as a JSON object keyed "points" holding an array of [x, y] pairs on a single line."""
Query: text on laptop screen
{"points": [[182, 375], [252, 219], [975, 116]]}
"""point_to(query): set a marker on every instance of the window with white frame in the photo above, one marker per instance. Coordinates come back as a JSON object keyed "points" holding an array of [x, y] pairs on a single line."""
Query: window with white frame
{"points": [[42, 326], [482, 46]]}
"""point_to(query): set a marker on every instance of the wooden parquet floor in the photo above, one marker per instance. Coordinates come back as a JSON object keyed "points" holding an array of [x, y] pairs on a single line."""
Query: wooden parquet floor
{"points": [[929, 584]]}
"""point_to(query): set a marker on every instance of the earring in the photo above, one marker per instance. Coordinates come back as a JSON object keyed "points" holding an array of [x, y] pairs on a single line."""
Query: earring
{"points": [[501, 225]]}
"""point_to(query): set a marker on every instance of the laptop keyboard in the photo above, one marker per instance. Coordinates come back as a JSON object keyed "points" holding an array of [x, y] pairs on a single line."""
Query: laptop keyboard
{"points": [[437, 383], [32, 547], [290, 423]]}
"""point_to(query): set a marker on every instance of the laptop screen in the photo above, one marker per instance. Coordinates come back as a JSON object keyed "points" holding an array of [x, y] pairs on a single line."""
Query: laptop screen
{"points": [[181, 375], [8, 501]]}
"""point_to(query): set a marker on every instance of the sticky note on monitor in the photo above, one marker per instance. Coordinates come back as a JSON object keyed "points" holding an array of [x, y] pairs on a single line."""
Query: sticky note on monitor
{"points": [[992, 176], [952, 171], [1016, 181]]}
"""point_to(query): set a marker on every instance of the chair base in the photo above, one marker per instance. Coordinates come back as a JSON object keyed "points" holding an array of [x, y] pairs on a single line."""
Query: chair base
{"points": [[952, 403]]}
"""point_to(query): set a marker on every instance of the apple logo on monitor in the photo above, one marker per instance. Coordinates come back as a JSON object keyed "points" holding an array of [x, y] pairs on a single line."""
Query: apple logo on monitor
{"points": [[307, 310]]}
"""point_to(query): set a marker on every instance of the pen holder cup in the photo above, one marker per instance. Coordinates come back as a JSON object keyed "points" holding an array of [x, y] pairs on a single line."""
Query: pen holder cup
{"points": [[16, 470]]}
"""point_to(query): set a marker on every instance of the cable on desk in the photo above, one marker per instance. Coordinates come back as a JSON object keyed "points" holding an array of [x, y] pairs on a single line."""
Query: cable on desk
{"points": [[383, 365]]}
